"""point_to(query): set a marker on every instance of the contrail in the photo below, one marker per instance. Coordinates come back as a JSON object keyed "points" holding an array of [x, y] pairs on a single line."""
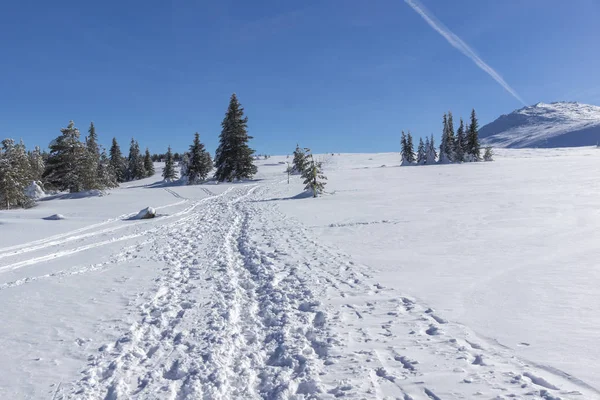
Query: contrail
{"points": [[460, 45]]}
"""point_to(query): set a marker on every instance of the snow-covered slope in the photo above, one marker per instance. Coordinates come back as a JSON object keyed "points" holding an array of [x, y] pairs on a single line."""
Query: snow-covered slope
{"points": [[438, 282], [561, 124]]}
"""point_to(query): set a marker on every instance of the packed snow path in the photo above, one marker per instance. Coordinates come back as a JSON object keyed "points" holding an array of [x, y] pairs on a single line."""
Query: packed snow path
{"points": [[246, 304]]}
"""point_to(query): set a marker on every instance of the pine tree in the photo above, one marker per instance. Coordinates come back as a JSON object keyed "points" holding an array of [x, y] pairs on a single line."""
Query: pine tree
{"points": [[411, 148], [91, 161], [148, 164], [431, 153], [473, 146], [65, 167], [421, 152], [299, 161], [488, 155], [169, 173], [135, 162], [198, 165], [106, 174], [447, 143], [313, 176], [36, 160], [408, 150], [117, 162], [234, 159], [15, 175], [460, 143]]}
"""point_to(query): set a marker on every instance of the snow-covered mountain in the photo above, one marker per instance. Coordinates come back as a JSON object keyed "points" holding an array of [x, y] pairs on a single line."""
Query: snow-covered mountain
{"points": [[560, 124]]}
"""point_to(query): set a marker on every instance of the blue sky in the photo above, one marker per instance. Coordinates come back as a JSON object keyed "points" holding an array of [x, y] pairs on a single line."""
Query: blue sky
{"points": [[333, 75]]}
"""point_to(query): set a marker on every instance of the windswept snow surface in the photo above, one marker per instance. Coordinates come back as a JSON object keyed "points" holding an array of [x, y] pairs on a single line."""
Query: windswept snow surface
{"points": [[434, 282]]}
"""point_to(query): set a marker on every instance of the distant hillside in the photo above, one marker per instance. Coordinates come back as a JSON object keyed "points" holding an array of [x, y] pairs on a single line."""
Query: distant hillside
{"points": [[561, 124]]}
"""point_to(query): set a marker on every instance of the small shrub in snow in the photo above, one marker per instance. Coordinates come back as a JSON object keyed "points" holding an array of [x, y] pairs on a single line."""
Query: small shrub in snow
{"points": [[313, 176], [489, 154]]}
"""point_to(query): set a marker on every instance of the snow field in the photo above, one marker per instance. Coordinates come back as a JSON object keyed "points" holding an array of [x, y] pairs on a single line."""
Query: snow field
{"points": [[398, 285]]}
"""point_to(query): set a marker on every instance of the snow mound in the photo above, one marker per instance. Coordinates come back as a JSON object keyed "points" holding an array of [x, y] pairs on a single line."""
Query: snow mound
{"points": [[55, 217], [561, 124], [34, 191], [146, 213]]}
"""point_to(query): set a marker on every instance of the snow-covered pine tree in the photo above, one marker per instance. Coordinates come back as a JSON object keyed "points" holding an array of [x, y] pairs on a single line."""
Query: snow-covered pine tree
{"points": [[135, 162], [198, 165], [460, 143], [148, 164], [444, 158], [299, 161], [488, 155], [36, 160], [473, 146], [66, 162], [431, 153], [90, 168], [313, 176], [106, 174], [15, 175], [411, 148], [404, 149], [117, 162], [450, 139], [234, 159], [169, 173], [421, 152]]}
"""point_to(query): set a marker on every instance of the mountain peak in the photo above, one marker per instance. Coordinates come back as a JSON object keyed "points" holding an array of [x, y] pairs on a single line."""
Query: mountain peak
{"points": [[556, 124]]}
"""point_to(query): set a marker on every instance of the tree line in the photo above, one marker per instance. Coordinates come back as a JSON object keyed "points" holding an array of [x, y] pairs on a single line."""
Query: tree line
{"points": [[76, 165], [70, 165], [461, 147]]}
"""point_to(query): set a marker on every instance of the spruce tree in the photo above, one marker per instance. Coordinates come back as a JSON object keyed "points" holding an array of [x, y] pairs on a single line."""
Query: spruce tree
{"points": [[117, 162], [488, 155], [36, 160], [135, 162], [198, 165], [431, 153], [91, 161], [106, 174], [460, 143], [421, 152], [233, 159], [65, 167], [410, 148], [15, 175], [404, 148], [313, 176], [473, 146], [299, 161], [169, 173], [148, 164]]}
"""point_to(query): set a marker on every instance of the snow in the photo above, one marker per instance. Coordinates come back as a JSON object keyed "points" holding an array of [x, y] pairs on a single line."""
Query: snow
{"points": [[476, 280], [560, 124], [34, 191], [146, 213]]}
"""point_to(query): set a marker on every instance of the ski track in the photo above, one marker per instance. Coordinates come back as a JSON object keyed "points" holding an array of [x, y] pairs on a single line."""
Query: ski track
{"points": [[249, 305], [76, 236]]}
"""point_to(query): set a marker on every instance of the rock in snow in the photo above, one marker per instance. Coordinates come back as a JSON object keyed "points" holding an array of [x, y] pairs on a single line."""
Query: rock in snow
{"points": [[55, 217], [562, 124], [146, 213]]}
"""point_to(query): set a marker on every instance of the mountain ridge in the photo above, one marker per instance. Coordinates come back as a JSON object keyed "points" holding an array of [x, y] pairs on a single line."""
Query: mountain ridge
{"points": [[556, 124]]}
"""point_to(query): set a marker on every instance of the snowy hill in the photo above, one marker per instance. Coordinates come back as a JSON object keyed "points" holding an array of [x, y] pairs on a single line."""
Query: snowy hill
{"points": [[561, 124]]}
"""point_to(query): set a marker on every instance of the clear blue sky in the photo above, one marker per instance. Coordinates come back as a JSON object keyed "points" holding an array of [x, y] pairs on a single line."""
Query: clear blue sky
{"points": [[334, 75]]}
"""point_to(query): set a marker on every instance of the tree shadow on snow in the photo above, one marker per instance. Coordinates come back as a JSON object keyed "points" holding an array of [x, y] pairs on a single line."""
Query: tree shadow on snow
{"points": [[303, 195]]}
